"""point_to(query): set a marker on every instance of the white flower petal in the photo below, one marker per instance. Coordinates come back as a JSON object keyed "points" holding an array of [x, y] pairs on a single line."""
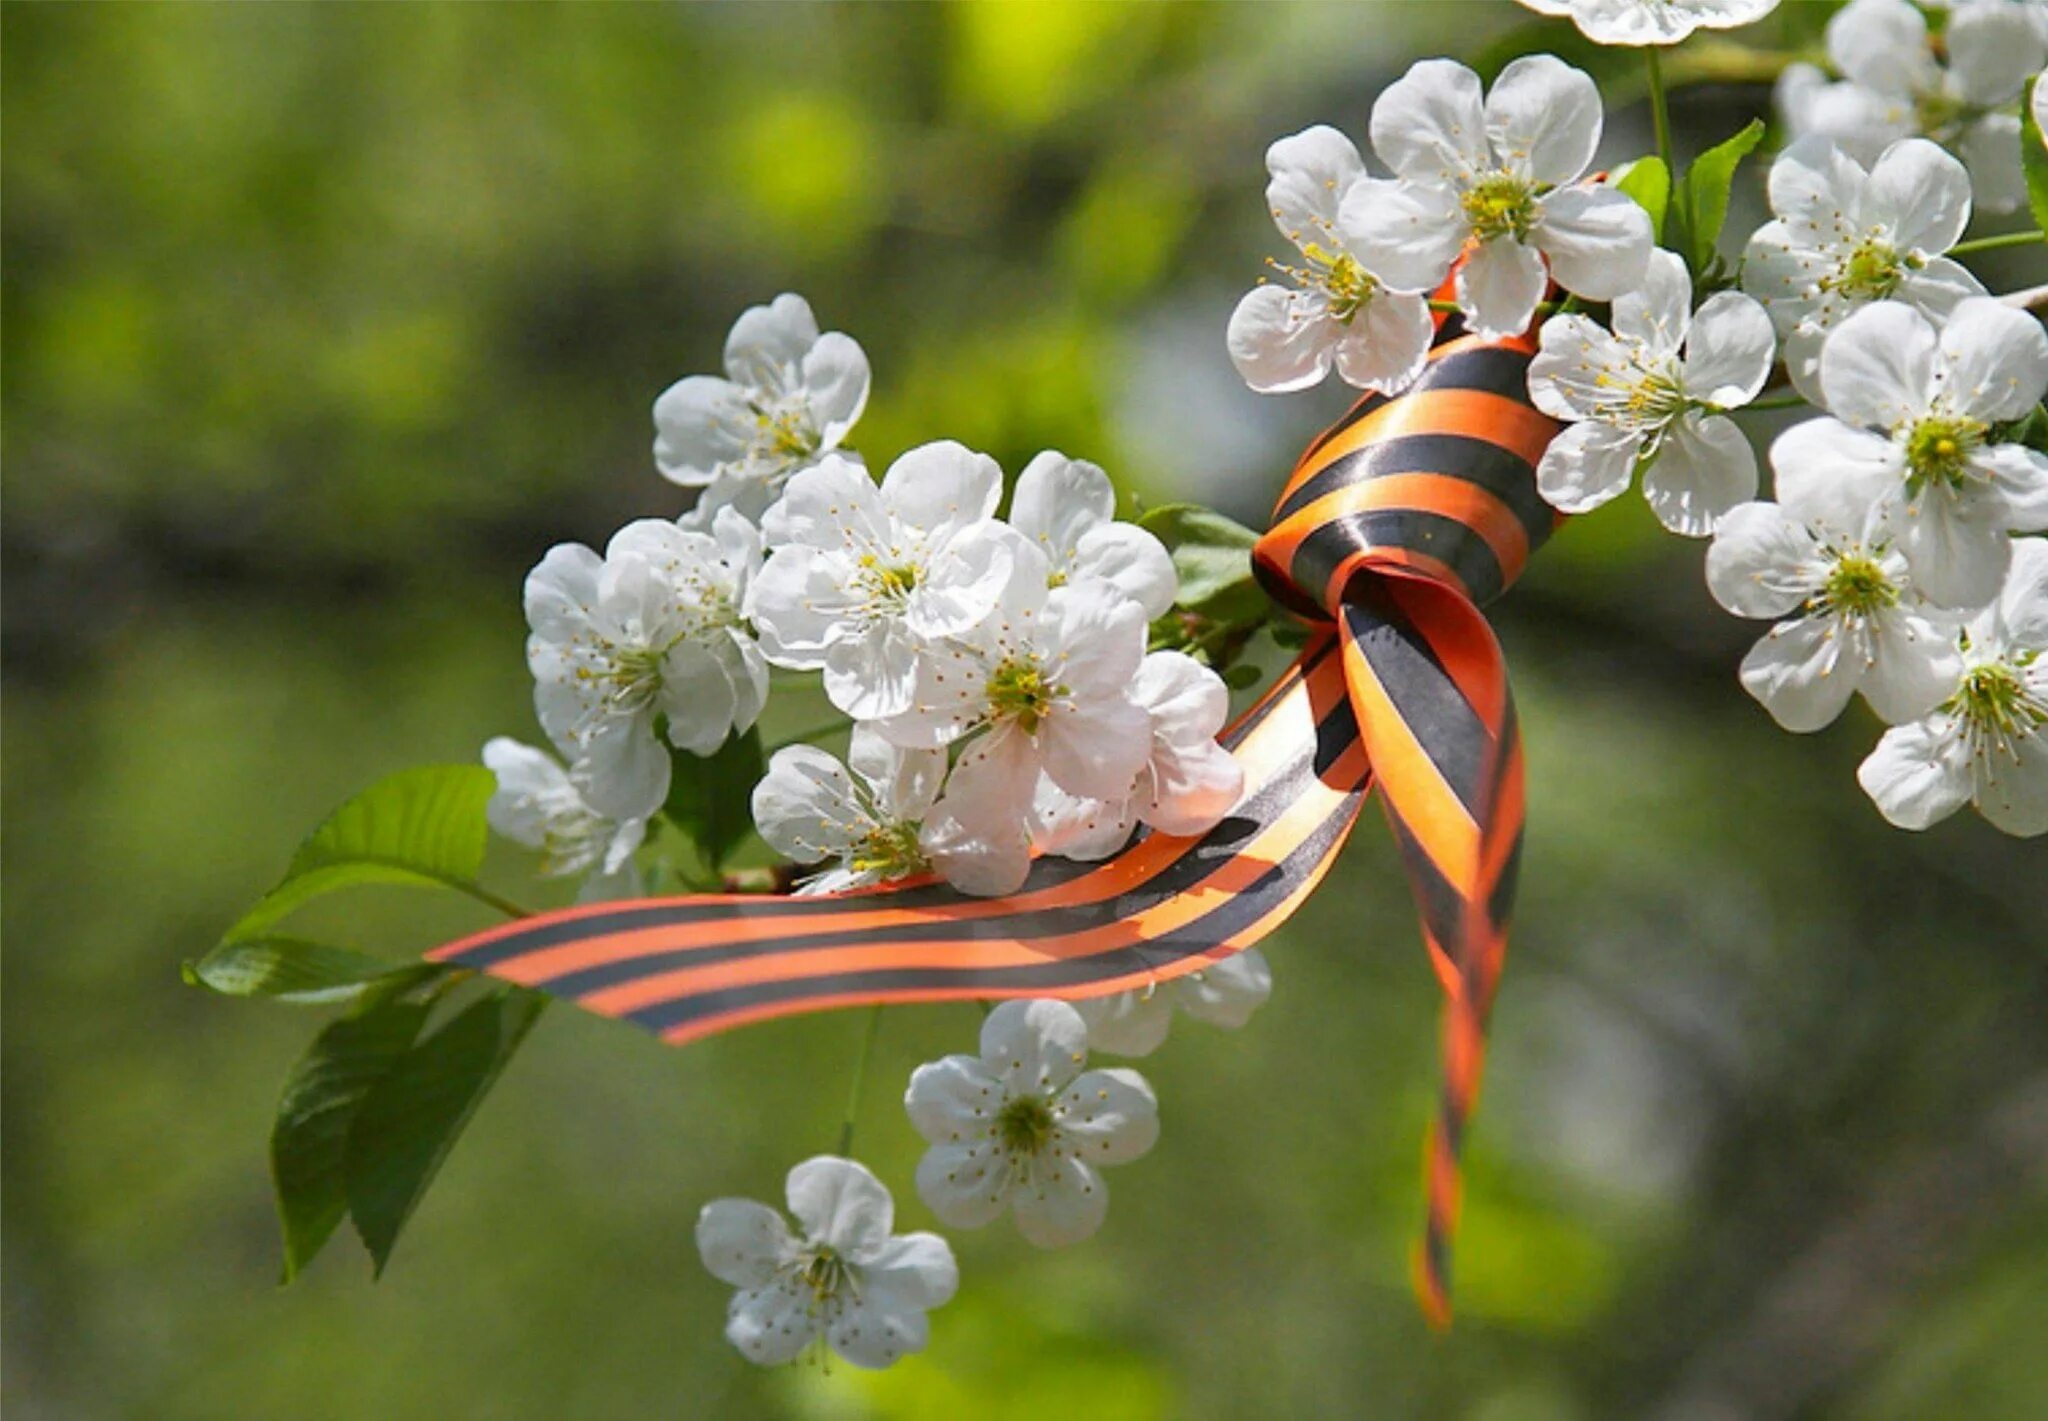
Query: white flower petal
{"points": [[2012, 787], [773, 1324], [700, 423], [1034, 1046], [1543, 119], [1431, 122], [1061, 1204], [1576, 363], [1914, 666], [1704, 467], [1921, 193], [1281, 340], [1405, 233], [942, 486], [1994, 358], [840, 1203], [742, 1242], [952, 1099], [1761, 561], [1877, 368], [1586, 465], [1657, 311], [836, 379], [1956, 545], [1992, 51], [1882, 44], [1227, 991], [1131, 560], [1919, 774], [1991, 152], [1832, 475], [1598, 241], [1111, 1116], [966, 1186], [804, 806], [1387, 343], [1498, 288], [1311, 171], [1728, 352], [1799, 673], [769, 342], [1128, 1023]]}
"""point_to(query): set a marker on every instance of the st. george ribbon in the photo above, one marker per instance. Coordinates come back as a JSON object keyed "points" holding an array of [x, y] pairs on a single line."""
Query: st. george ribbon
{"points": [[1398, 523]]}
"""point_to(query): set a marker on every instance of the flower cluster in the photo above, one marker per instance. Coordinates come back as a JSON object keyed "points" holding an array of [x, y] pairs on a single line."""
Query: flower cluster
{"points": [[1895, 561], [995, 669], [1494, 176]]}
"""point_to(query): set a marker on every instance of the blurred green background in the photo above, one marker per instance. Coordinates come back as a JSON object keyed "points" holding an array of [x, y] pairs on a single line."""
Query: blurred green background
{"points": [[322, 323]]}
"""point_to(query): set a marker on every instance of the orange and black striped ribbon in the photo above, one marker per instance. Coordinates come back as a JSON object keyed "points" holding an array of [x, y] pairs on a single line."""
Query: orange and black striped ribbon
{"points": [[1396, 525]]}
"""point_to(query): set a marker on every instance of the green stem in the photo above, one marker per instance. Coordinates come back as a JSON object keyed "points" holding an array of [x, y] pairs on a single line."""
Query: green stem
{"points": [[860, 1069], [1992, 244], [1776, 402], [1660, 116], [489, 899]]}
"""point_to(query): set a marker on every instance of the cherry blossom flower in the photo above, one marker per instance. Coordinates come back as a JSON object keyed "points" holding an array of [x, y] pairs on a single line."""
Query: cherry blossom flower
{"points": [[1068, 508], [847, 1280], [790, 397], [1650, 395], [1504, 175], [1652, 22], [1187, 784], [651, 629], [1225, 993], [1337, 312], [1860, 625], [1043, 685], [538, 805], [1843, 237], [1023, 1127], [1914, 430], [863, 815], [862, 578], [1894, 85], [1987, 744]]}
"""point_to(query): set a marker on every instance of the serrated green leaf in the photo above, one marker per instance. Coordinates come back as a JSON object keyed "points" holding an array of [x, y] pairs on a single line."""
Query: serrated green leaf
{"points": [[414, 1112], [423, 827], [289, 969], [309, 1142], [1212, 556], [1648, 181], [710, 797], [2034, 156], [1708, 183]]}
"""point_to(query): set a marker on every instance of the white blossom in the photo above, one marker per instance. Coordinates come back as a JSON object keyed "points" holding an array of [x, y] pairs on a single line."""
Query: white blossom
{"points": [[1503, 174], [1826, 556], [1652, 22], [846, 1279], [1650, 395], [790, 397], [538, 805], [1067, 507], [864, 815], [1187, 783], [1337, 312], [651, 629], [1915, 416], [1023, 1127], [1842, 238], [1042, 686], [1225, 993], [1895, 85], [862, 579], [1987, 744]]}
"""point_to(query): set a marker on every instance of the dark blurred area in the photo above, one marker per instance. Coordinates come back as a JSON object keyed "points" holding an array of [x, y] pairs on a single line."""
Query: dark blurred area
{"points": [[323, 322]]}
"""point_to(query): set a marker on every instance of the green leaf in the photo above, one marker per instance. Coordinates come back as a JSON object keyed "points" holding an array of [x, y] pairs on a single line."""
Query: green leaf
{"points": [[309, 1142], [1708, 183], [423, 827], [289, 969], [710, 797], [1648, 181], [1243, 676], [2034, 156], [414, 1112], [1212, 555]]}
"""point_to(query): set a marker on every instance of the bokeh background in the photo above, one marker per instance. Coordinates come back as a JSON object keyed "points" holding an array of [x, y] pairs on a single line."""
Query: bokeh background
{"points": [[322, 323]]}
